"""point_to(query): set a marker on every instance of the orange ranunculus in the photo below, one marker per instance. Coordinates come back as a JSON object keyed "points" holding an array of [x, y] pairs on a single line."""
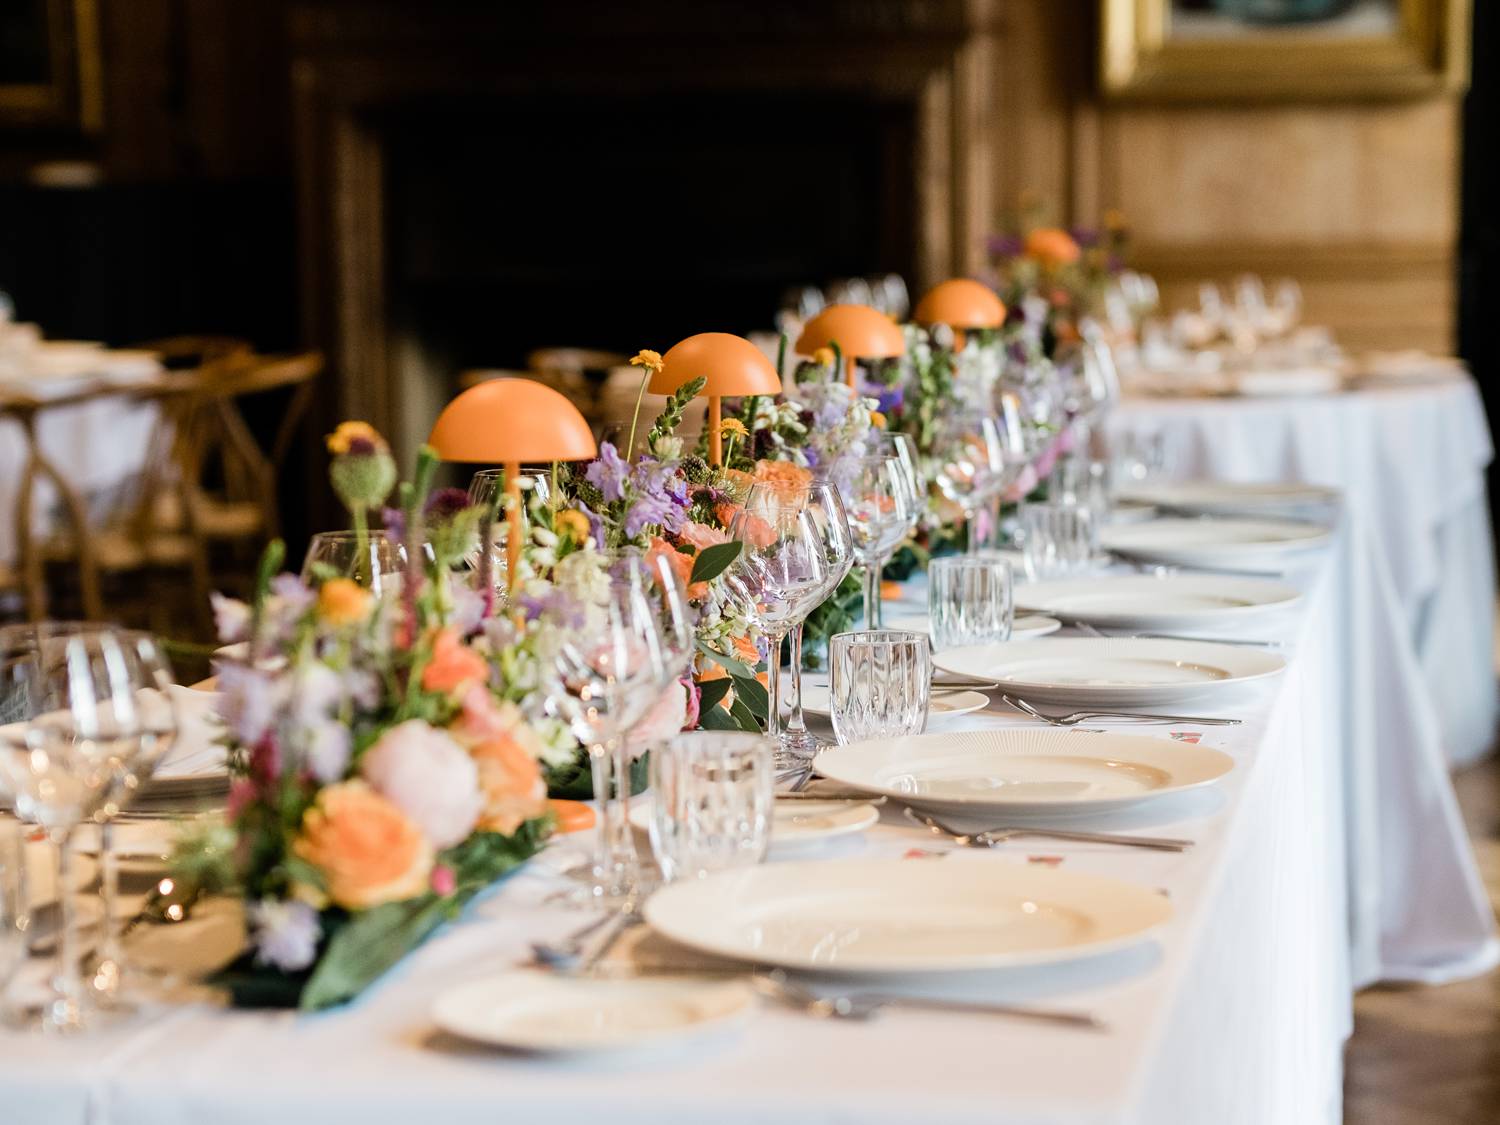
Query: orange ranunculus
{"points": [[342, 601], [572, 816], [746, 650], [1051, 247], [510, 780], [754, 530], [367, 850], [783, 476], [453, 664]]}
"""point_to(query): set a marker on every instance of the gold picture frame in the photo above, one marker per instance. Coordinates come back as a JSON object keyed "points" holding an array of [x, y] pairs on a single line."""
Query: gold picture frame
{"points": [[1423, 52], [55, 79]]}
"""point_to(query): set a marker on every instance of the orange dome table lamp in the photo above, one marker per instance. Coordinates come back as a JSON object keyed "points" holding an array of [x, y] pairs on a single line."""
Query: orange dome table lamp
{"points": [[860, 331], [962, 304], [506, 422], [731, 364]]}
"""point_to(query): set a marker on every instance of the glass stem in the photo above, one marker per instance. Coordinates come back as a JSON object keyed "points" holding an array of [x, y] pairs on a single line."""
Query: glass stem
{"points": [[795, 724], [110, 961], [872, 594], [615, 865], [773, 687], [971, 521], [65, 1011]]}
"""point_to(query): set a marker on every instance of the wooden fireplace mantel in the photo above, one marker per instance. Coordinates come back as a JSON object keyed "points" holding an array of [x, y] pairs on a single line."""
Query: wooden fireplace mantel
{"points": [[356, 60]]}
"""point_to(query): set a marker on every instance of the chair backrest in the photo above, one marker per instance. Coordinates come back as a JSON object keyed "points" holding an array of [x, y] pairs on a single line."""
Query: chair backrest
{"points": [[578, 361], [193, 352]]}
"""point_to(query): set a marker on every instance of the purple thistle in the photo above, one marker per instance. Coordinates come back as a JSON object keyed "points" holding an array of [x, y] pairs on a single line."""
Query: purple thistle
{"points": [[444, 504]]}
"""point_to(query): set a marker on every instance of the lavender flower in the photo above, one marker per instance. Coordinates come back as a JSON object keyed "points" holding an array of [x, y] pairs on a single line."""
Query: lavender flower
{"points": [[596, 525], [608, 473], [250, 701], [648, 509], [285, 933]]}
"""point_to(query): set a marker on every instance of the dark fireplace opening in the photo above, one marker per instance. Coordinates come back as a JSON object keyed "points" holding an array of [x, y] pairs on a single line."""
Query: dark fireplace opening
{"points": [[631, 221]]}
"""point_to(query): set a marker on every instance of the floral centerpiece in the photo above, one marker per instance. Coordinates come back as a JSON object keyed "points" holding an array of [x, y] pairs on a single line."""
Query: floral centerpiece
{"points": [[383, 773]]}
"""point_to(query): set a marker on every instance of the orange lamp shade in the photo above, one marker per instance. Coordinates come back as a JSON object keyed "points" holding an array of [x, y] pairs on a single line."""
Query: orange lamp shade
{"points": [[731, 364], [511, 420], [961, 303], [858, 330]]}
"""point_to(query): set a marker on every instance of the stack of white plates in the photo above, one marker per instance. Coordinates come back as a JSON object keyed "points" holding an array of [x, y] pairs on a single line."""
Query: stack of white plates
{"points": [[900, 916], [1138, 601], [1242, 544], [1023, 772], [1112, 671], [1233, 498]]}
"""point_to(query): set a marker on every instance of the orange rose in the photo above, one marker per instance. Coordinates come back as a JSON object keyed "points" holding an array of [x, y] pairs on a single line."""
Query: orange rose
{"points": [[1051, 247], [367, 850], [342, 601], [700, 535], [681, 564], [746, 650], [510, 781], [453, 665], [754, 530], [783, 476]]}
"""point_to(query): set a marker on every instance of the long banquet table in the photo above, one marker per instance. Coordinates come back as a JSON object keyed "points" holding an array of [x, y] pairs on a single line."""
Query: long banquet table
{"points": [[1410, 461], [1328, 857]]}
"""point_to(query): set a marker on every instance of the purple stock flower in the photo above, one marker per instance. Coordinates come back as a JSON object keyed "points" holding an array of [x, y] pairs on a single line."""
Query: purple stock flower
{"points": [[596, 525], [394, 520], [249, 701], [1004, 245], [651, 509], [231, 618], [890, 399], [1086, 237], [608, 473], [293, 595]]}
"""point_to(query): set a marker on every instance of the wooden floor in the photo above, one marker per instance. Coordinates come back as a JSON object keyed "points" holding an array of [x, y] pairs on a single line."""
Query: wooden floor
{"points": [[1431, 1056]]}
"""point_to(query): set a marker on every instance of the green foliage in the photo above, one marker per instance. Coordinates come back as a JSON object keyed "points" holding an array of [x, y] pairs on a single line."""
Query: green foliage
{"points": [[671, 416], [838, 614], [713, 561]]}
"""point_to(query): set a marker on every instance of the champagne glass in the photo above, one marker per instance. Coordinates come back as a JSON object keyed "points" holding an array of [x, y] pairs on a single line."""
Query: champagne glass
{"points": [[794, 544], [96, 718], [879, 508], [796, 740], [614, 657]]}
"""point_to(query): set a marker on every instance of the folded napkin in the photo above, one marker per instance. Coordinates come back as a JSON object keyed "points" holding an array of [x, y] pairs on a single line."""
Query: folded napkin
{"points": [[196, 751]]}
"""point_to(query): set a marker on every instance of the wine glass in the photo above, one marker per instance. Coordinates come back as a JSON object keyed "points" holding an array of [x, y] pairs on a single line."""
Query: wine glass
{"points": [[370, 558], [879, 507], [484, 486], [796, 548], [96, 717], [796, 740], [614, 657], [976, 455]]}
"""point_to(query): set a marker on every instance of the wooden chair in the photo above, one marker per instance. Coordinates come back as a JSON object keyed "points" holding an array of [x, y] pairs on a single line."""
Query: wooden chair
{"points": [[195, 352], [572, 385], [575, 361]]}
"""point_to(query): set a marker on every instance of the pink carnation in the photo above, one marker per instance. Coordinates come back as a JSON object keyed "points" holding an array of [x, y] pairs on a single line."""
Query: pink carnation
{"points": [[1022, 485], [429, 777]]}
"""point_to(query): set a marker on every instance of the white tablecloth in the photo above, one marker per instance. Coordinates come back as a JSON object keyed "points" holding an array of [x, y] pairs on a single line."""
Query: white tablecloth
{"points": [[98, 445], [1410, 462], [1235, 1014]]}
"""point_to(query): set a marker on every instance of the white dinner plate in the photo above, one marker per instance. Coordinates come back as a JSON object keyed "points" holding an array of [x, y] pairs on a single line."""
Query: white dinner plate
{"points": [[1025, 627], [1210, 496], [905, 916], [1140, 601], [1246, 544], [794, 823], [944, 704], [1023, 772], [1111, 671], [547, 1013]]}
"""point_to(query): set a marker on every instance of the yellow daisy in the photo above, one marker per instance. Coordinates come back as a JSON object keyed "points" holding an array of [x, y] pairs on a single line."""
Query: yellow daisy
{"points": [[648, 359]]}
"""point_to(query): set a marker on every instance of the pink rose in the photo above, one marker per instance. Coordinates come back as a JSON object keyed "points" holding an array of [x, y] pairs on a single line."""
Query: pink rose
{"points": [[1047, 459], [429, 777], [694, 702], [667, 716]]}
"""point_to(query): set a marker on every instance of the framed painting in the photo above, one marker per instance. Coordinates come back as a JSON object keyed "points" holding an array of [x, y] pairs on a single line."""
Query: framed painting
{"points": [[1247, 50], [50, 64]]}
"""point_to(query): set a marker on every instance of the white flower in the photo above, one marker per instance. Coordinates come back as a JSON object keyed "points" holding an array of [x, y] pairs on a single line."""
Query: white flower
{"points": [[429, 777], [231, 618], [327, 750], [582, 577], [285, 933], [316, 691]]}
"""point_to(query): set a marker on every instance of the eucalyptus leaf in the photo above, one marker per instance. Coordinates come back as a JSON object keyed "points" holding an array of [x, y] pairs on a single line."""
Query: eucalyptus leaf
{"points": [[731, 665], [753, 695], [710, 694]]}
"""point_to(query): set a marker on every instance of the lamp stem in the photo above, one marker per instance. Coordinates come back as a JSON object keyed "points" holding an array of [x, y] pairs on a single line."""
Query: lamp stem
{"points": [[958, 340], [849, 369], [715, 438], [512, 524]]}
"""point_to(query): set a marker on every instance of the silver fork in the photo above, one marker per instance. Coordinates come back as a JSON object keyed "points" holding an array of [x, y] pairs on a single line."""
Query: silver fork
{"points": [[1138, 716], [863, 1006], [1094, 631], [992, 836]]}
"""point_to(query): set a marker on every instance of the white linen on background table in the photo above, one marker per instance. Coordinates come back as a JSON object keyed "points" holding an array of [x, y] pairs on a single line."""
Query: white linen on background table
{"points": [[1410, 462], [1236, 1016], [96, 444]]}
